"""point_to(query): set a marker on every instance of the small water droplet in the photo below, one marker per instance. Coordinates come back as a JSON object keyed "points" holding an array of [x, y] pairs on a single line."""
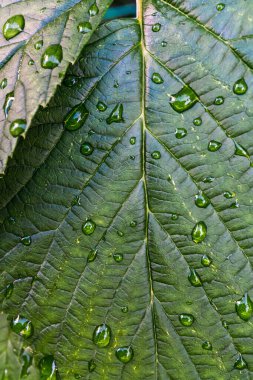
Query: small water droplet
{"points": [[18, 127], [240, 87], [156, 27], [93, 10], [132, 157], [8, 290], [213, 146], [76, 117], [102, 107], [8, 103], [48, 368], [38, 45], [13, 26], [88, 227], [86, 149], [124, 309], [26, 361], [208, 179], [120, 233], [3, 83], [91, 365], [234, 204], [201, 200], [174, 217], [240, 363], [199, 232], [220, 7], [133, 223], [240, 150], [164, 43], [194, 278], [118, 257], [183, 100], [22, 326], [52, 57], [84, 27], [186, 319], [206, 261], [156, 155], [70, 80], [31, 62], [219, 100], [124, 354], [244, 307], [132, 140], [116, 84], [92, 256], [228, 194], [75, 201], [207, 345], [197, 121], [156, 78], [26, 240], [117, 115], [180, 133], [102, 335], [224, 324]]}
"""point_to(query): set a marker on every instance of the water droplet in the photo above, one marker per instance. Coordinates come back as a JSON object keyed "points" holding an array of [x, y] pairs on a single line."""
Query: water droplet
{"points": [[75, 201], [228, 194], [207, 345], [11, 220], [77, 376], [91, 365], [116, 84], [219, 100], [199, 232], [52, 57], [169, 178], [244, 307], [102, 107], [208, 179], [220, 7], [18, 127], [186, 319], [8, 290], [124, 354], [124, 309], [8, 103], [84, 27], [47, 367], [76, 117], [224, 324], [206, 261], [92, 256], [94, 10], [197, 121], [88, 227], [26, 359], [240, 363], [213, 146], [70, 80], [156, 27], [201, 200], [156, 78], [133, 223], [240, 150], [26, 240], [194, 278], [118, 257], [132, 140], [86, 149], [156, 155], [102, 335], [183, 100], [117, 115], [3, 83], [38, 45], [22, 326], [174, 217], [164, 43], [132, 157], [13, 26], [235, 204], [180, 133], [240, 87], [128, 72]]}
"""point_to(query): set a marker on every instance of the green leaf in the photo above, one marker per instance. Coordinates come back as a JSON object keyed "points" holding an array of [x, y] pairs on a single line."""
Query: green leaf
{"points": [[33, 33], [139, 261]]}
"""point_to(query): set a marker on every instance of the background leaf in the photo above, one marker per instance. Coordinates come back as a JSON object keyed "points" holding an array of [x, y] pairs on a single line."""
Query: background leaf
{"points": [[24, 83], [146, 175]]}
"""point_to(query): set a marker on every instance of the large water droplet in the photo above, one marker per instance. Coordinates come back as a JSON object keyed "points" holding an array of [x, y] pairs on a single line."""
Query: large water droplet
{"points": [[220, 7], [213, 145], [240, 87], [86, 149], [91, 365], [22, 326], [186, 319], [92, 256], [52, 57], [48, 368], [9, 290], [240, 150], [3, 83], [244, 307], [117, 115], [18, 127], [102, 335], [197, 121], [26, 240], [8, 103], [183, 100], [207, 345], [124, 354], [180, 133], [199, 232], [156, 27], [88, 227], [156, 155], [194, 278], [156, 78], [240, 363], [118, 257], [102, 107], [201, 200], [84, 27], [13, 26], [219, 100], [206, 261], [94, 10], [76, 117]]}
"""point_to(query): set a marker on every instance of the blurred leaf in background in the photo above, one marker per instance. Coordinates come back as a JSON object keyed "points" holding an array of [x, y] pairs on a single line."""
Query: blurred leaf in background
{"points": [[122, 8]]}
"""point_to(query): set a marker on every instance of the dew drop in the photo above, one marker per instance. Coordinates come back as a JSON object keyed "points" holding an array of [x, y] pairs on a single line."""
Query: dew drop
{"points": [[88, 227], [120, 233], [38, 45], [116, 84], [228, 194], [220, 7], [199, 232], [213, 146], [124, 354], [118, 257], [102, 107], [206, 261], [201, 200], [75, 201], [13, 26], [132, 157], [156, 78], [133, 223], [180, 133], [47, 367], [156, 155], [174, 217], [235, 204], [8, 103], [91, 365], [156, 27], [52, 57], [197, 121], [9, 290], [84, 27], [186, 319], [224, 324], [102, 335], [31, 62], [219, 100], [240, 363], [86, 149], [26, 360], [76, 117], [3, 83], [183, 100], [124, 309], [240, 150], [22, 326], [92, 256], [207, 345], [194, 278], [208, 179], [244, 307], [132, 140], [26, 240], [164, 43], [117, 115], [18, 127], [240, 87], [70, 80], [93, 10]]}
